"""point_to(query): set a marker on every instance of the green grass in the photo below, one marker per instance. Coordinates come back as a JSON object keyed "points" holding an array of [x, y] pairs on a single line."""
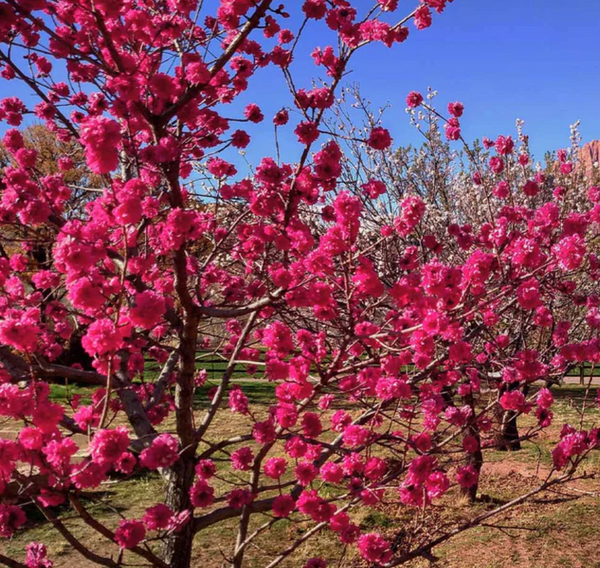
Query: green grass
{"points": [[562, 531], [260, 392], [588, 369]]}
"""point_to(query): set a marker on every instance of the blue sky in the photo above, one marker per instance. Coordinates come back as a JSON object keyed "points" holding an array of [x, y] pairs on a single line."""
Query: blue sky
{"points": [[538, 60]]}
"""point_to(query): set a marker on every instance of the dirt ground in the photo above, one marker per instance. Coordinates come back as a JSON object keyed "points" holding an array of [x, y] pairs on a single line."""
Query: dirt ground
{"points": [[555, 529]]}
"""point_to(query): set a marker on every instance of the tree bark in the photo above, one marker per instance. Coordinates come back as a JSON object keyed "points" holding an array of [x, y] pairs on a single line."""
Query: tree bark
{"points": [[177, 549], [507, 434], [474, 459]]}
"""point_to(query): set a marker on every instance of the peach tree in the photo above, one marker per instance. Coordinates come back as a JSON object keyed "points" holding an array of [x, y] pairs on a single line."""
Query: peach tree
{"points": [[389, 341]]}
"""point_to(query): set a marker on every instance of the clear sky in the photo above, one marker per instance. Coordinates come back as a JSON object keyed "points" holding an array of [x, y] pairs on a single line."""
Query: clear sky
{"points": [[538, 60]]}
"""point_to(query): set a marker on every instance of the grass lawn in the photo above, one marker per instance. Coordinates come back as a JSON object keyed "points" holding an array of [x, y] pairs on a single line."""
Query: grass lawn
{"points": [[555, 530]]}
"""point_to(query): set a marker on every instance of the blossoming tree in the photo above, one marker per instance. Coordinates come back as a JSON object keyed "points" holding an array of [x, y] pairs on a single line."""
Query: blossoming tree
{"points": [[462, 201], [390, 343]]}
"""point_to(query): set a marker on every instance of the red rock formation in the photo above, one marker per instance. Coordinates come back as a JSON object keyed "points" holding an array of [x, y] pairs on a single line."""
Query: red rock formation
{"points": [[588, 156]]}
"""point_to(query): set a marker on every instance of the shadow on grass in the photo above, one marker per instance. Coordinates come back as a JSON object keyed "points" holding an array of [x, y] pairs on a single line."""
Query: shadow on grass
{"points": [[261, 392], [575, 394]]}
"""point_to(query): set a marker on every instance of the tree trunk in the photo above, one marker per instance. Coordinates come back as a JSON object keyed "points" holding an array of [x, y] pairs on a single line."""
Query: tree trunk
{"points": [[177, 551], [474, 459], [506, 438]]}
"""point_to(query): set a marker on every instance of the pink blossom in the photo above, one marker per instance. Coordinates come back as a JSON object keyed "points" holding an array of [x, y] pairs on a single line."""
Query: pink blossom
{"points": [[130, 533], [202, 494], [283, 505], [570, 252], [504, 145], [20, 334], [37, 556], [275, 467], [205, 469], [375, 468], [197, 73], [9, 453], [163, 452], [315, 9], [545, 399], [238, 401], [531, 188], [413, 209], [502, 190], [126, 463], [470, 444], [148, 309], [305, 473], [11, 519], [456, 109], [414, 99], [59, 453], [332, 472], [366, 279], [307, 132], [239, 498], [528, 294], [108, 446], [264, 432], [278, 338], [311, 504], [467, 476], [452, 129], [253, 113], [281, 118], [374, 548], [242, 459], [102, 337], [422, 18], [379, 139], [355, 436], [85, 294], [47, 416], [31, 438], [101, 137], [86, 417], [513, 400], [158, 517], [437, 485], [496, 164], [388, 5]]}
